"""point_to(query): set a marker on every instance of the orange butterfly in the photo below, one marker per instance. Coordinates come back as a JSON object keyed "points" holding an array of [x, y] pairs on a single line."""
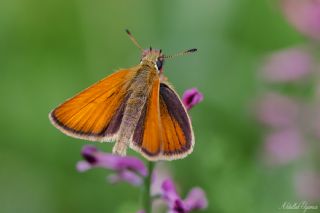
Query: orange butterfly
{"points": [[135, 107]]}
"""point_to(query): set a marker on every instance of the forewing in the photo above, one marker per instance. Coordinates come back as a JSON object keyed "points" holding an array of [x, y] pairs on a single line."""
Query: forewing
{"points": [[95, 113]]}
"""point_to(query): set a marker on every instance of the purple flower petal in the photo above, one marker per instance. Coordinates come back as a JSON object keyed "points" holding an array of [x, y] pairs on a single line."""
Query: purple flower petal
{"points": [[287, 65], [304, 15], [126, 176], [283, 146], [312, 116], [191, 97], [307, 185], [131, 163], [83, 166], [160, 174], [196, 199], [88, 153], [169, 190], [105, 160], [277, 111], [128, 169], [179, 206]]}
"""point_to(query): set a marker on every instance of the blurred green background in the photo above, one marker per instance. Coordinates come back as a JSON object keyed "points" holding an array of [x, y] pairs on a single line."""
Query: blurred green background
{"points": [[50, 50]]}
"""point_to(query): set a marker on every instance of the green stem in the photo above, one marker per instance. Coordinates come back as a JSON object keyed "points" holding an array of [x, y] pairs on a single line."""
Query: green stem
{"points": [[147, 201]]}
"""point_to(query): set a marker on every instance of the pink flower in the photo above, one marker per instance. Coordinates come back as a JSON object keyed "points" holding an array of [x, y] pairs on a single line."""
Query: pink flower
{"points": [[129, 169], [304, 15], [277, 111], [313, 116], [284, 146], [196, 198], [160, 173], [191, 97], [287, 65], [307, 185]]}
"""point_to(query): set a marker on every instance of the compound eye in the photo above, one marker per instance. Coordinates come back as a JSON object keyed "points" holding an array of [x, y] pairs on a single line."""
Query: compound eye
{"points": [[159, 64]]}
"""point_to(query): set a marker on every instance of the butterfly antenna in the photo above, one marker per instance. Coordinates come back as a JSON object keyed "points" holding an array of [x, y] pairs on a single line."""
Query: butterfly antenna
{"points": [[181, 53], [133, 40]]}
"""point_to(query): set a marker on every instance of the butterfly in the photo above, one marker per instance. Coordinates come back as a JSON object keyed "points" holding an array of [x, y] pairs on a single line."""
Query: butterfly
{"points": [[135, 107]]}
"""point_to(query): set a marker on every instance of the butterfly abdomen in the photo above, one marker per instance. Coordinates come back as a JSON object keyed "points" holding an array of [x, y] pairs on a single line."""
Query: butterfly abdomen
{"points": [[139, 91]]}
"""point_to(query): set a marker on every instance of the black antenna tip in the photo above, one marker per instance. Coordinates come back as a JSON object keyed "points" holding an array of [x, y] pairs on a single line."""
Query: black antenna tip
{"points": [[160, 51], [192, 50], [128, 32], [150, 48]]}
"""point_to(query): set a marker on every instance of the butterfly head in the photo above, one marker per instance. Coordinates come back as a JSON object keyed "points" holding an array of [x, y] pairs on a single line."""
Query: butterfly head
{"points": [[153, 56]]}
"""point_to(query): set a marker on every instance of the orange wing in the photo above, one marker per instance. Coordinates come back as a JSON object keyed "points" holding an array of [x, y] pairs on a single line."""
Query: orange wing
{"points": [[177, 133], [95, 113], [164, 131]]}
